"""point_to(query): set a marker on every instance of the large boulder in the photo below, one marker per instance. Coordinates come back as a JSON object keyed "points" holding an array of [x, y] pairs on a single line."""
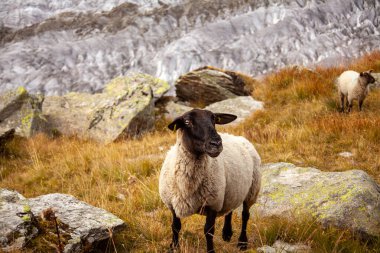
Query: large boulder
{"points": [[173, 110], [81, 226], [125, 108], [206, 86], [242, 107], [348, 200], [16, 223], [21, 111]]}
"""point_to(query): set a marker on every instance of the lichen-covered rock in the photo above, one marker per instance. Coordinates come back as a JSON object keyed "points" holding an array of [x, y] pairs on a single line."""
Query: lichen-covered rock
{"points": [[173, 110], [242, 107], [21, 111], [349, 200], [206, 86], [16, 226], [124, 108], [86, 225]]}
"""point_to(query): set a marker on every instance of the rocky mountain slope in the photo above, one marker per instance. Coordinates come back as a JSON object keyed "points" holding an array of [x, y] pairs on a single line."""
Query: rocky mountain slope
{"points": [[59, 46]]}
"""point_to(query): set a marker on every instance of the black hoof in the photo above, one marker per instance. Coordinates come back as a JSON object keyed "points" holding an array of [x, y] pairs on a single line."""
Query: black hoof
{"points": [[227, 234], [173, 248], [243, 242], [242, 245]]}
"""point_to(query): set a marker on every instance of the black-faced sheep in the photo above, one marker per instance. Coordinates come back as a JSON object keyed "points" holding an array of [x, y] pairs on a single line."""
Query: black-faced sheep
{"points": [[353, 86], [209, 174]]}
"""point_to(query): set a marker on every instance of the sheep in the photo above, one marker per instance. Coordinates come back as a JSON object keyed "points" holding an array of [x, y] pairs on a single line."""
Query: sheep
{"points": [[209, 174], [352, 85]]}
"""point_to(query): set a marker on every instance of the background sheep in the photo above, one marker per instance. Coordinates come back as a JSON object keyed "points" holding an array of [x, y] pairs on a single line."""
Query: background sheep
{"points": [[352, 85], [202, 175]]}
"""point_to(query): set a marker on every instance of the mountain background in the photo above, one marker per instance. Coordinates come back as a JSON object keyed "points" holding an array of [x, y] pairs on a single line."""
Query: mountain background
{"points": [[54, 47]]}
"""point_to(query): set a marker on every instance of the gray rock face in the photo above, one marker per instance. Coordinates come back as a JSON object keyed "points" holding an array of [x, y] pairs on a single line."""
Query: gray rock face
{"points": [[85, 224], [80, 223], [55, 46], [22, 112], [15, 229], [242, 107], [349, 200], [207, 86], [125, 108]]}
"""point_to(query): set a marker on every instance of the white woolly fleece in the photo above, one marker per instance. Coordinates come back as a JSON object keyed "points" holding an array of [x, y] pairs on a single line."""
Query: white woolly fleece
{"points": [[188, 184], [348, 83]]}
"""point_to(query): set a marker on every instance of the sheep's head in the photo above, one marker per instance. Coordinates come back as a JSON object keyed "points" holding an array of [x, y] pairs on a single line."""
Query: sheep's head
{"points": [[199, 135], [368, 77]]}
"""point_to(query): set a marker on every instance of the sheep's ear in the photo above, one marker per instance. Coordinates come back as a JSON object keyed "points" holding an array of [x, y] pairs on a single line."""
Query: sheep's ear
{"points": [[361, 73], [224, 118], [176, 124], [370, 71]]}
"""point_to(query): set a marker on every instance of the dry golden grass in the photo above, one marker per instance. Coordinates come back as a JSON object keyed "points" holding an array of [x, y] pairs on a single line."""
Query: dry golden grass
{"points": [[300, 125]]}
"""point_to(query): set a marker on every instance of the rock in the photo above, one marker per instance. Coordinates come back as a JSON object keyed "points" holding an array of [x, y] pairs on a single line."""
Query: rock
{"points": [[284, 247], [266, 249], [348, 200], [86, 225], [242, 107], [206, 86], [15, 230], [377, 78], [159, 87], [173, 110], [81, 225], [346, 154], [124, 109], [6, 136], [21, 111]]}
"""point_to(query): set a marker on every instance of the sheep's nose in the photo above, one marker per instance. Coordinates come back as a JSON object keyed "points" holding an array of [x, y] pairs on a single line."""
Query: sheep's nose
{"points": [[216, 142]]}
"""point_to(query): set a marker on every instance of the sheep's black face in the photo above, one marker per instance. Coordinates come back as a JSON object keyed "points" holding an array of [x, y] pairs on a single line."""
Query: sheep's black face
{"points": [[199, 133], [367, 75]]}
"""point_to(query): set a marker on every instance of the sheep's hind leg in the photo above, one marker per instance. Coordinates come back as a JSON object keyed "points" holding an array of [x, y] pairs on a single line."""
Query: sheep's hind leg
{"points": [[350, 103], [176, 227], [342, 102], [227, 228], [209, 229], [243, 240]]}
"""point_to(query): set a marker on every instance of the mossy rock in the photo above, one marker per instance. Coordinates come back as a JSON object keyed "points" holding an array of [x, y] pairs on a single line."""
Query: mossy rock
{"points": [[16, 221], [124, 109], [21, 111], [348, 200]]}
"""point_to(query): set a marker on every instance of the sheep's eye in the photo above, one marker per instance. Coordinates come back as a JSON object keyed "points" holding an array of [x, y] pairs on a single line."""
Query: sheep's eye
{"points": [[187, 122]]}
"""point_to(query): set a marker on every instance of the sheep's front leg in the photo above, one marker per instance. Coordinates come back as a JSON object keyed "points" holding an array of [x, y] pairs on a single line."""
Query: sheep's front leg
{"points": [[176, 227], [360, 104], [243, 240], [209, 229], [227, 228]]}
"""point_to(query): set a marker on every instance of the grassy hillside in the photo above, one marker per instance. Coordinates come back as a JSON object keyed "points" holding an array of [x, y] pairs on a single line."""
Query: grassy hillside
{"points": [[300, 124]]}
